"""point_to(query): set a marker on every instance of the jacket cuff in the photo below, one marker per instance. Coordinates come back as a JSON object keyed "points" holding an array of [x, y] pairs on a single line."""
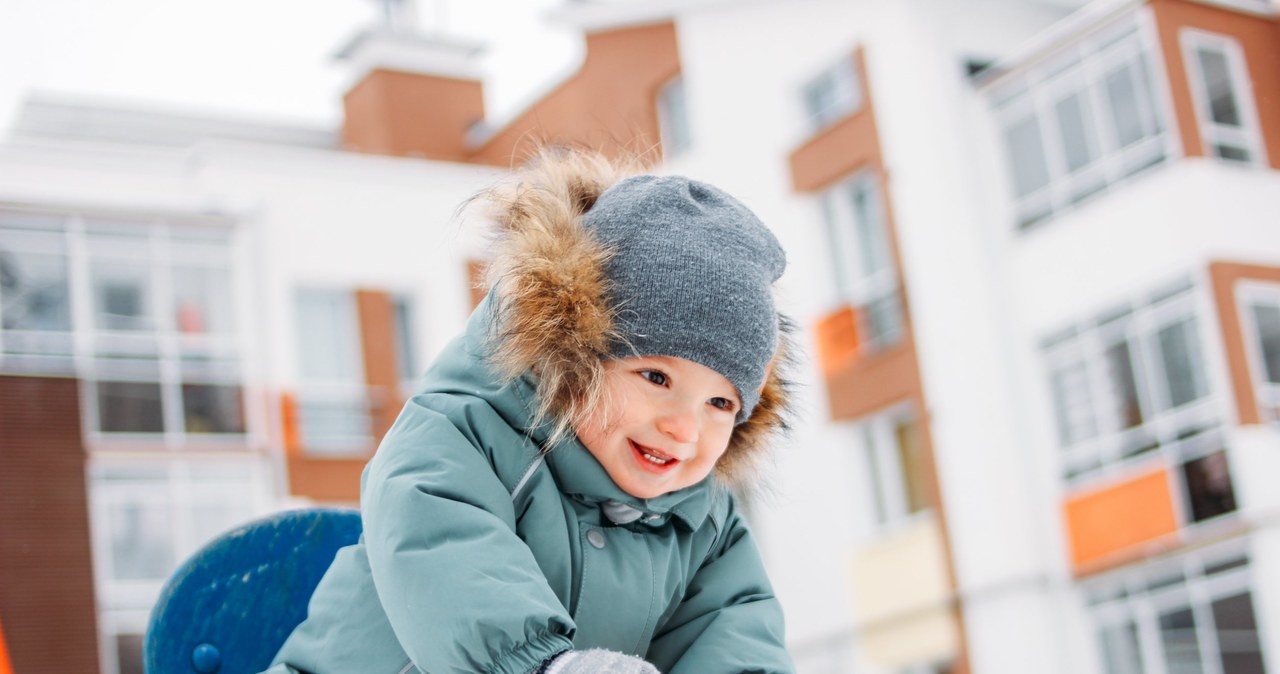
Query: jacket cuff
{"points": [[555, 663], [529, 657]]}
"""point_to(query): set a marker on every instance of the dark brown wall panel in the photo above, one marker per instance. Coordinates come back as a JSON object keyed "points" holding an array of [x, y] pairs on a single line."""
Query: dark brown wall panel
{"points": [[46, 571]]}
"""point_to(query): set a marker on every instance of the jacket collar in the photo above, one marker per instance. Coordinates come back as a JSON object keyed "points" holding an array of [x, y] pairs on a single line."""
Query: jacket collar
{"points": [[580, 476]]}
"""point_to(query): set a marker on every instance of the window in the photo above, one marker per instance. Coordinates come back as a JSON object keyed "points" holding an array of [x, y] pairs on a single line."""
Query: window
{"points": [[1132, 384], [35, 295], [673, 118], [1082, 121], [1260, 320], [150, 515], [895, 462], [406, 361], [1223, 97], [833, 94], [866, 276], [140, 309], [333, 400], [1189, 614]]}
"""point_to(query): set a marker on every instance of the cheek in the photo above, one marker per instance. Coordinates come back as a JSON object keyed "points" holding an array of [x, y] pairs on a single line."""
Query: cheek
{"points": [[717, 445]]}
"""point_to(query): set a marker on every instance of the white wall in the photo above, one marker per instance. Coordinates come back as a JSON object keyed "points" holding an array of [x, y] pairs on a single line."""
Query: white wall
{"points": [[348, 221], [744, 68]]}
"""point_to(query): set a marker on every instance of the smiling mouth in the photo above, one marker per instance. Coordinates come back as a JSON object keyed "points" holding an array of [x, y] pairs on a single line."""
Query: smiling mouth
{"points": [[652, 456]]}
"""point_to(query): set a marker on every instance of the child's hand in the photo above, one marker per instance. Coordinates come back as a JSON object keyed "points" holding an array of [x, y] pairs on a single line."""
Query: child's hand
{"points": [[598, 661]]}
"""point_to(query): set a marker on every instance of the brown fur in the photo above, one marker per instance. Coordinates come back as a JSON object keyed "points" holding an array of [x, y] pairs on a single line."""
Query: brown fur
{"points": [[552, 317]]}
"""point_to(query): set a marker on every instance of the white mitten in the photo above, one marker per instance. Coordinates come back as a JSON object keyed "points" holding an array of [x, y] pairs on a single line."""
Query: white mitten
{"points": [[598, 661]]}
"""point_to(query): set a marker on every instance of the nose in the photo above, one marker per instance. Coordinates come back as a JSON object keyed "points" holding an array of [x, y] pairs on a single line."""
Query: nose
{"points": [[680, 423]]}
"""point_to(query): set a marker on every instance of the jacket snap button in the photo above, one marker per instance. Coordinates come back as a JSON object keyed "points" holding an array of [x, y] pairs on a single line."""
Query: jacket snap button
{"points": [[596, 539]]}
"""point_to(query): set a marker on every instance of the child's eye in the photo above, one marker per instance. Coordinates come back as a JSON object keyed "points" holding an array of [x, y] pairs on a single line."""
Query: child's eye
{"points": [[722, 404], [656, 377]]}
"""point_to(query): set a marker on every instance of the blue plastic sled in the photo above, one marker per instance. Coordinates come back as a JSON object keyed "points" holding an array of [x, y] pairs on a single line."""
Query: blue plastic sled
{"points": [[229, 608]]}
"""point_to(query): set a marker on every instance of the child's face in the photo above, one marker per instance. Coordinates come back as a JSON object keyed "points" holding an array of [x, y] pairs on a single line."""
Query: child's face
{"points": [[669, 421]]}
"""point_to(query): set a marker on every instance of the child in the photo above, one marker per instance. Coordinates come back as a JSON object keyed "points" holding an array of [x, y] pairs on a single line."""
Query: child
{"points": [[554, 498]]}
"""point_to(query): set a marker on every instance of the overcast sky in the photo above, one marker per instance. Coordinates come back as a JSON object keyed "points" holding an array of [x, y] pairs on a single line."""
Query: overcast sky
{"points": [[270, 59]]}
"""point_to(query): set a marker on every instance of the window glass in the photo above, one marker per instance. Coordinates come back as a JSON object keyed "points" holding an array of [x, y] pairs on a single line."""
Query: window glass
{"points": [[1026, 153], [141, 541], [877, 471], [129, 407], [405, 360], [212, 519], [209, 408], [1217, 84], [1124, 388], [202, 300], [129, 654], [843, 251], [1179, 355], [1180, 646], [1209, 489], [1231, 152], [1267, 319], [1075, 131], [328, 337], [121, 295], [833, 94], [1072, 404], [1125, 104], [912, 459], [870, 226], [1237, 633], [1120, 649], [673, 118], [882, 320], [34, 291]]}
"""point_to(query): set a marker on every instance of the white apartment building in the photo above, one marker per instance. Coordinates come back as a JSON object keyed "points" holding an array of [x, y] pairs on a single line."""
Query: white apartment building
{"points": [[1029, 256]]}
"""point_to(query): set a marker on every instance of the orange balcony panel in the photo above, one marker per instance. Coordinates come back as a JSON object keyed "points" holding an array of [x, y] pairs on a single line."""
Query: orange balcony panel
{"points": [[837, 335], [5, 666], [1109, 522], [289, 424]]}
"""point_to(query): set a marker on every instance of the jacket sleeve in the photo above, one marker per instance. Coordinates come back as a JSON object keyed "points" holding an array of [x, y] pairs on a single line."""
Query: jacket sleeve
{"points": [[729, 619], [460, 589]]}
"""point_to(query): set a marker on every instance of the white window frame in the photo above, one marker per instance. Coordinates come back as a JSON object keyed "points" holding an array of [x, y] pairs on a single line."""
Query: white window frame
{"points": [[408, 355], [673, 117], [881, 456], [1267, 394], [843, 84], [57, 349], [1249, 135], [160, 348], [1102, 452], [329, 397], [1123, 596], [124, 606], [858, 287], [1081, 68]]}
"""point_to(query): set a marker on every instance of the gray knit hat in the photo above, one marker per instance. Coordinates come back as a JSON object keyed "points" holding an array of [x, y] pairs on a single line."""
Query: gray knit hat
{"points": [[691, 277]]}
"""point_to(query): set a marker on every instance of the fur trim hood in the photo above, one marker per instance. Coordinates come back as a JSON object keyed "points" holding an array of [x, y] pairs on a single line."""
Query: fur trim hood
{"points": [[551, 313]]}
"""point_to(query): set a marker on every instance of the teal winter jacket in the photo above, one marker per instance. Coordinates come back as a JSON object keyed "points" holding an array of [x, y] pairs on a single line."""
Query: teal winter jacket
{"points": [[484, 553]]}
